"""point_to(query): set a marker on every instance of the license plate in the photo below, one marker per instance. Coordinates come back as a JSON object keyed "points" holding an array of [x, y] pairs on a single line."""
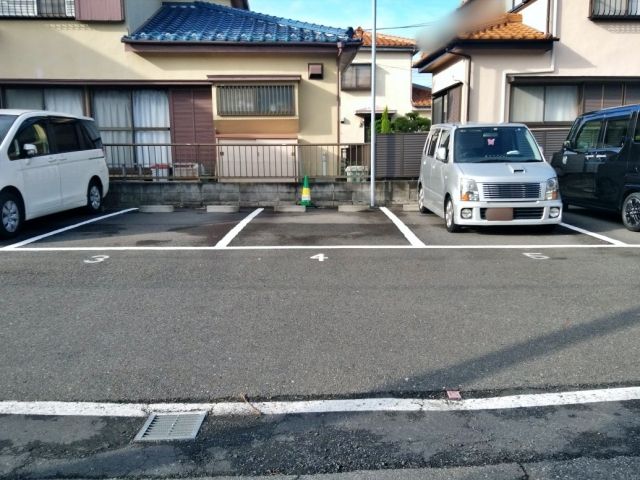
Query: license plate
{"points": [[499, 214]]}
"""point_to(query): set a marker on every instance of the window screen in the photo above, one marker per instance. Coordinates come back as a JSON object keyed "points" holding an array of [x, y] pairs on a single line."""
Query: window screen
{"points": [[256, 100]]}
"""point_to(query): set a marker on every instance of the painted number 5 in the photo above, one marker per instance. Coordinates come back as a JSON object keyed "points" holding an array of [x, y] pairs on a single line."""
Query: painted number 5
{"points": [[97, 259]]}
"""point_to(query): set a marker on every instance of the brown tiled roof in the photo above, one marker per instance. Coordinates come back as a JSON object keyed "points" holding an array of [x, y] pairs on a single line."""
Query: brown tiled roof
{"points": [[383, 40], [421, 96], [506, 27]]}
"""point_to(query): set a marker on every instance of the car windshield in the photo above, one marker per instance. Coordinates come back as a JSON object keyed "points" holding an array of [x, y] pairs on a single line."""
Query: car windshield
{"points": [[5, 124], [495, 144]]}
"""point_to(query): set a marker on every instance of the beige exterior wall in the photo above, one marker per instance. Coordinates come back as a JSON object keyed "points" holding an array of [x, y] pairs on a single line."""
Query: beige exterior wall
{"points": [[393, 90], [69, 50]]}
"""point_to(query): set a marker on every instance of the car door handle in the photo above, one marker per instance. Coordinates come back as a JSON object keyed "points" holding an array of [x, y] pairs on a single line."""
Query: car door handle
{"points": [[589, 157], [601, 156], [52, 160]]}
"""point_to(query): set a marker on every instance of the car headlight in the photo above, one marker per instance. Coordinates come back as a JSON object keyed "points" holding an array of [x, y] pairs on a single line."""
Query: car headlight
{"points": [[469, 190], [552, 189]]}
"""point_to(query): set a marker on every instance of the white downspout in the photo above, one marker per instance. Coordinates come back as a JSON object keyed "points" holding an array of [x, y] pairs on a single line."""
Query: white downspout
{"points": [[550, 69]]}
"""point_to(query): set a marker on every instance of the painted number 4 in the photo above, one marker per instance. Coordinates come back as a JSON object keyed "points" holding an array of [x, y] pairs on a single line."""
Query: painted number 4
{"points": [[321, 257], [97, 259]]}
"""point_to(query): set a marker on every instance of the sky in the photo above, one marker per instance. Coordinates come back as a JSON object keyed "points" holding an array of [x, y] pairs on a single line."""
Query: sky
{"points": [[417, 15]]}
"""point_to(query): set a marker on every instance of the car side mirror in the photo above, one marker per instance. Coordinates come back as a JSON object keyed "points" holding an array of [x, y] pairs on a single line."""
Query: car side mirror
{"points": [[30, 150], [567, 144], [441, 154]]}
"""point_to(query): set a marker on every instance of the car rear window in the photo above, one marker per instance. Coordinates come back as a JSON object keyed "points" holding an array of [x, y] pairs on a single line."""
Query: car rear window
{"points": [[495, 144], [5, 124]]}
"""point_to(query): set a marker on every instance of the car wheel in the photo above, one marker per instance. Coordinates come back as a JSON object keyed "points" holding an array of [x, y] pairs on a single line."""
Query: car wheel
{"points": [[565, 206], [631, 212], [421, 206], [11, 215], [450, 217], [94, 197]]}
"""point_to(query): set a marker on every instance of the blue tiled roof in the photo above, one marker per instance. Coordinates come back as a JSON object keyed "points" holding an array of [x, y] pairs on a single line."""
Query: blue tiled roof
{"points": [[208, 22]]}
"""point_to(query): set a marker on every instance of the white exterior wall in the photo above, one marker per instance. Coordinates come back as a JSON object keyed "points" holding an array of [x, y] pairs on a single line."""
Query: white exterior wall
{"points": [[456, 73], [535, 15], [599, 48], [393, 90]]}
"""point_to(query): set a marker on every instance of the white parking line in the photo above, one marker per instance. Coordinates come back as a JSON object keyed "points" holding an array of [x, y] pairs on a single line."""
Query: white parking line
{"points": [[595, 235], [408, 234], [226, 240], [322, 406], [65, 229], [316, 247]]}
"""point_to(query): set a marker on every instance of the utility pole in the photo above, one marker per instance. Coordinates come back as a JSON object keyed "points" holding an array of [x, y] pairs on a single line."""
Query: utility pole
{"points": [[373, 104]]}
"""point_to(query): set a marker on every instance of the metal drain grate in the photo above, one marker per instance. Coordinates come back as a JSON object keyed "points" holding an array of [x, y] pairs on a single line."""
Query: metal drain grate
{"points": [[170, 426]]}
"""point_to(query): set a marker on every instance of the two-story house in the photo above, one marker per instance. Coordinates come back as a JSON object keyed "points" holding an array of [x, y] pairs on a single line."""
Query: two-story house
{"points": [[393, 83], [541, 62], [176, 72]]}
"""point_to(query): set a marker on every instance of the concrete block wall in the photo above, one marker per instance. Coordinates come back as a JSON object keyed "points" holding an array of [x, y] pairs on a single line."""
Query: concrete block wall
{"points": [[196, 194]]}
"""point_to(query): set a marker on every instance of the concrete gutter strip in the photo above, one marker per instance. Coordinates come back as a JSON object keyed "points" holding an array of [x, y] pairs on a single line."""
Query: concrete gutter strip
{"points": [[353, 208], [290, 208], [223, 208], [156, 208]]}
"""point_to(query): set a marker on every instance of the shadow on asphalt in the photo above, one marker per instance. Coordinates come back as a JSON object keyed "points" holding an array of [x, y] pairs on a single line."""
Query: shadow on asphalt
{"points": [[480, 367]]}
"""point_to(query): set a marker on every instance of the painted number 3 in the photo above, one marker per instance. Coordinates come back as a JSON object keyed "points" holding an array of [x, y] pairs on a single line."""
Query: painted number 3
{"points": [[97, 259]]}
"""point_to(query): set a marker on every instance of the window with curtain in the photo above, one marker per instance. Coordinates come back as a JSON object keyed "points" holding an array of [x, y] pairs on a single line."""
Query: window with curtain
{"points": [[544, 103], [134, 116], [62, 100]]}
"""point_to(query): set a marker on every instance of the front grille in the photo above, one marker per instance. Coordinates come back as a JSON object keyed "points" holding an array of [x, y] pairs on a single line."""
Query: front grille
{"points": [[534, 213], [511, 191]]}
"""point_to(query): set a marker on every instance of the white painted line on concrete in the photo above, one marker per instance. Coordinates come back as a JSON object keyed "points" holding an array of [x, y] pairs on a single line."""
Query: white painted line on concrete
{"points": [[322, 406], [238, 228], [65, 229], [594, 235], [321, 247], [408, 234]]}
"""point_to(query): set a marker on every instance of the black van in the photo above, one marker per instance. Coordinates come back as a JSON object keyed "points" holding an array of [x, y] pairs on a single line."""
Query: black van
{"points": [[599, 164]]}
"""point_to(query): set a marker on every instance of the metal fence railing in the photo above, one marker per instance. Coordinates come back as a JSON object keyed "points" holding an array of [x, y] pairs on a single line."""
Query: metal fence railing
{"points": [[237, 161]]}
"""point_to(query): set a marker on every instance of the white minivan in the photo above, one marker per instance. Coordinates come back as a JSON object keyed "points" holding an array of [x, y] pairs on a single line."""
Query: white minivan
{"points": [[48, 162], [487, 174]]}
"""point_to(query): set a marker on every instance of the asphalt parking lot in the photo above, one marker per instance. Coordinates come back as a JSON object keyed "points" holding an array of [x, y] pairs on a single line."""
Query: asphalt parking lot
{"points": [[192, 306]]}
